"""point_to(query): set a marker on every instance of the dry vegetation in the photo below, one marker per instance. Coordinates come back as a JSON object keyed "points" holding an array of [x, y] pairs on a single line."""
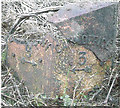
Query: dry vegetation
{"points": [[14, 92]]}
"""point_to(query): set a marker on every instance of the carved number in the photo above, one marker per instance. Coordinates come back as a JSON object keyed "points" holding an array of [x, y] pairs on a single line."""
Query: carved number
{"points": [[82, 58]]}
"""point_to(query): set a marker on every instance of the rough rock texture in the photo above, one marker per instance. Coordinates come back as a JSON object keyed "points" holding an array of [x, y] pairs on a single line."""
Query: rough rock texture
{"points": [[91, 24], [51, 65]]}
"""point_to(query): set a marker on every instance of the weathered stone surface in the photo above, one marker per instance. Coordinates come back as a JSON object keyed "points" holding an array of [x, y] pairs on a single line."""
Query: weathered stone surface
{"points": [[52, 66], [91, 24]]}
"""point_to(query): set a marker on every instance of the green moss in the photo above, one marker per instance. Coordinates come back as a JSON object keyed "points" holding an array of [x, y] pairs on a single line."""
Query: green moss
{"points": [[4, 54]]}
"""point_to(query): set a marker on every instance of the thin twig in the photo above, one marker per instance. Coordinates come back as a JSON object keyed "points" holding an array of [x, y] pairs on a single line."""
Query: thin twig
{"points": [[4, 103], [28, 95], [95, 94], [14, 83], [26, 16], [12, 99], [6, 87], [37, 99], [106, 100], [74, 93], [111, 76]]}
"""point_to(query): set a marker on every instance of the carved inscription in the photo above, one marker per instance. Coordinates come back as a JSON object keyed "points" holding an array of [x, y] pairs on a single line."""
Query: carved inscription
{"points": [[82, 58], [51, 64], [92, 40]]}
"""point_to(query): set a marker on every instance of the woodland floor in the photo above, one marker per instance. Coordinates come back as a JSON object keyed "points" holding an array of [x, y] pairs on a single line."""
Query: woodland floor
{"points": [[15, 93]]}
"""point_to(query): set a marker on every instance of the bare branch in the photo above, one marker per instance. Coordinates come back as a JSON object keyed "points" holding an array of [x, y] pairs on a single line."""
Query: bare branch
{"points": [[12, 99], [26, 16], [106, 100], [95, 94]]}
